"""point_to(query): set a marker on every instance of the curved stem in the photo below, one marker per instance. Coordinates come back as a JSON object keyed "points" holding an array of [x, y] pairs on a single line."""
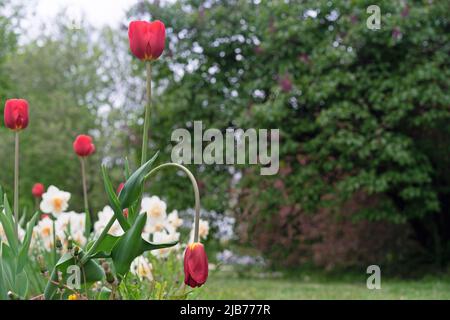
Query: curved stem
{"points": [[147, 114], [195, 187]]}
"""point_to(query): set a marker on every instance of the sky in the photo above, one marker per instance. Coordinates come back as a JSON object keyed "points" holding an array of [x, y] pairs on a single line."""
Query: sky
{"points": [[97, 12]]}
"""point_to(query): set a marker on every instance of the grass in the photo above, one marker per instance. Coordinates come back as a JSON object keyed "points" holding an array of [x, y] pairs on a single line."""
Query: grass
{"points": [[222, 286]]}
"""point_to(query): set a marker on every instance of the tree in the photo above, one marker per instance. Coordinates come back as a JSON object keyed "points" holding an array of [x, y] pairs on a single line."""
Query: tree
{"points": [[359, 110], [60, 75]]}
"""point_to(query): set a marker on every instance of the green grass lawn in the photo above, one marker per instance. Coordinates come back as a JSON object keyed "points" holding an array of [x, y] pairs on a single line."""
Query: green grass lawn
{"points": [[232, 287]]}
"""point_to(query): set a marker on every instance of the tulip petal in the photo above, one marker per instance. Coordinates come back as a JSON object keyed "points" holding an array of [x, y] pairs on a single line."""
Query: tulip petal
{"points": [[139, 36], [198, 263], [157, 38]]}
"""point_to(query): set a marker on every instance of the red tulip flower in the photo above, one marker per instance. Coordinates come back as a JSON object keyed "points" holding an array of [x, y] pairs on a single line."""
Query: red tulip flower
{"points": [[83, 145], [16, 114], [195, 265], [38, 190], [147, 39]]}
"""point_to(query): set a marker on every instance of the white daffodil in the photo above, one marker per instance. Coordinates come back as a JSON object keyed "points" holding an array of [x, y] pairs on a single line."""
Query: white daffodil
{"points": [[174, 220], [203, 230], [155, 209], [164, 237], [43, 233], [73, 224], [103, 218], [54, 201], [142, 268]]}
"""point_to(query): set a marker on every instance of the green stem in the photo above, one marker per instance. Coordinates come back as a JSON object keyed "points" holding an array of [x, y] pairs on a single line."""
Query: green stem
{"points": [[16, 185], [104, 232], [195, 187], [85, 196], [147, 114]]}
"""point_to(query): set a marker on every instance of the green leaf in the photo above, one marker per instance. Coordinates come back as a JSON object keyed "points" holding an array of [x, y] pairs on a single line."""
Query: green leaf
{"points": [[127, 168], [133, 186], [131, 245], [114, 201], [21, 285], [104, 248], [91, 271], [7, 267], [7, 221], [23, 252], [104, 294]]}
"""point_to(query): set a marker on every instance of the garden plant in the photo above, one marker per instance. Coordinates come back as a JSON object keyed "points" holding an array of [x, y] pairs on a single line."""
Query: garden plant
{"points": [[60, 254]]}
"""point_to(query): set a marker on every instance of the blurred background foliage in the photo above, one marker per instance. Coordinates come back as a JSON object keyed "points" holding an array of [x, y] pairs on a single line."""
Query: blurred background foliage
{"points": [[363, 116]]}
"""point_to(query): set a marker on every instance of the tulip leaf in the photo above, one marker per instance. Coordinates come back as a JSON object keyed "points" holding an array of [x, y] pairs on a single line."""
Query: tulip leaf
{"points": [[23, 253], [104, 248], [127, 168], [148, 246], [118, 212], [7, 221], [133, 186], [131, 245], [7, 267], [90, 271]]}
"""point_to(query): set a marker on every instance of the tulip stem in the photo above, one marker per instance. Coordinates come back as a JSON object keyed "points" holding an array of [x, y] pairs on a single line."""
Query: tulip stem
{"points": [[194, 186], [147, 114], [85, 196], [16, 185]]}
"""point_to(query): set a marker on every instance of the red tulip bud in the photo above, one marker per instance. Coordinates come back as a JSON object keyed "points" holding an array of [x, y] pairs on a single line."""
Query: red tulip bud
{"points": [[16, 114], [38, 190], [83, 145], [147, 39], [195, 265], [120, 187]]}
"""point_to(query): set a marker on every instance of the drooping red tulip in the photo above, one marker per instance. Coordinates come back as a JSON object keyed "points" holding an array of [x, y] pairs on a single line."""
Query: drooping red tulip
{"points": [[16, 114], [147, 39], [83, 145], [195, 265], [37, 190]]}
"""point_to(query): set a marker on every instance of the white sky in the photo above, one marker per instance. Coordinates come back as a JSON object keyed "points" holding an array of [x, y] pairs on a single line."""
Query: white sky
{"points": [[97, 12]]}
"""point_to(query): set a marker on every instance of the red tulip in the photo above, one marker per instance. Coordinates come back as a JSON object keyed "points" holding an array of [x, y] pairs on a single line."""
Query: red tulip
{"points": [[83, 145], [16, 114], [38, 190], [147, 39], [120, 187], [195, 265]]}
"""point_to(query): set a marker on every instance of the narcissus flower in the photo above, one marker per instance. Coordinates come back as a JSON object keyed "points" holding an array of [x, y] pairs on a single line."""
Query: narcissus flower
{"points": [[83, 145], [147, 39], [54, 201], [16, 114], [156, 213], [37, 190], [195, 265], [142, 268]]}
